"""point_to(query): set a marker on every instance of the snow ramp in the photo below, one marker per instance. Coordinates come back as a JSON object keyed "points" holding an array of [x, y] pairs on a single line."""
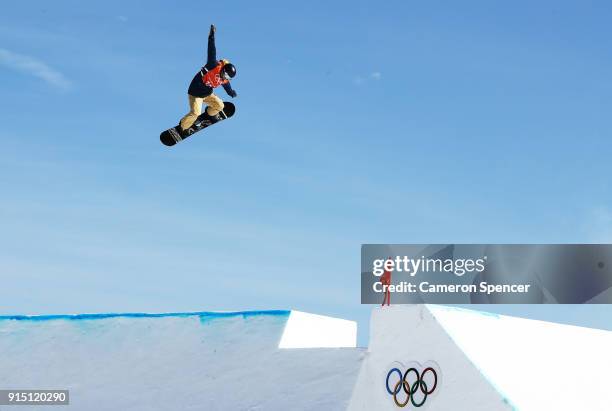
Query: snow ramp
{"points": [[258, 360], [420, 357], [465, 360]]}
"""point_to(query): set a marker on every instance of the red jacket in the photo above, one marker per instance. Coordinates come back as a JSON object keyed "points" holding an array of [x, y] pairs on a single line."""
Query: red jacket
{"points": [[212, 78], [385, 279]]}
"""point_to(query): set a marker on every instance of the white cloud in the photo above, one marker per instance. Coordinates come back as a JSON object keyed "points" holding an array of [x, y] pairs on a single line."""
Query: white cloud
{"points": [[361, 80], [358, 80], [122, 19], [34, 67]]}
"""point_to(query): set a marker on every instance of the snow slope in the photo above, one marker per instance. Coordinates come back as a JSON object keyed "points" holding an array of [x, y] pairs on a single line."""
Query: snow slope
{"points": [[485, 362], [409, 336], [537, 365], [195, 361], [236, 361]]}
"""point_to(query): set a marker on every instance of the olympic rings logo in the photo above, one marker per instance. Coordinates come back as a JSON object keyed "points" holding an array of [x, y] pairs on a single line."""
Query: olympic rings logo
{"points": [[416, 386]]}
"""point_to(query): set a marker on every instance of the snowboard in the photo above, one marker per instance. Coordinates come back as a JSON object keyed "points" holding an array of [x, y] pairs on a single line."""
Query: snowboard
{"points": [[172, 136]]}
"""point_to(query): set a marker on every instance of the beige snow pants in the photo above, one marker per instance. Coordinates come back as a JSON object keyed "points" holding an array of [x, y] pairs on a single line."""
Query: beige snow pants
{"points": [[214, 103]]}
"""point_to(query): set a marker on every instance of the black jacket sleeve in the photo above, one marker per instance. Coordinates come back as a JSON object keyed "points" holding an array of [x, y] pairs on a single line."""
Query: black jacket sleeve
{"points": [[212, 51], [228, 89]]}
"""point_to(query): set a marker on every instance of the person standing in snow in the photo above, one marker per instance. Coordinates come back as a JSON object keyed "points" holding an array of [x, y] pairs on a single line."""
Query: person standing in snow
{"points": [[385, 280]]}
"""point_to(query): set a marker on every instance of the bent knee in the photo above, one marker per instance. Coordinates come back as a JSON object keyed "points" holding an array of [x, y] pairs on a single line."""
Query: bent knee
{"points": [[219, 105]]}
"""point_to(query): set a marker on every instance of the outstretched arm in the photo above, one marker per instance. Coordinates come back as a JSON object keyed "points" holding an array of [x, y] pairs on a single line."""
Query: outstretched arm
{"points": [[229, 90], [212, 50]]}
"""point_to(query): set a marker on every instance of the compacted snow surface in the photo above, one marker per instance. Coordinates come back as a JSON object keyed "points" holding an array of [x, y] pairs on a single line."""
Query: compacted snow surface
{"points": [[197, 361], [288, 360]]}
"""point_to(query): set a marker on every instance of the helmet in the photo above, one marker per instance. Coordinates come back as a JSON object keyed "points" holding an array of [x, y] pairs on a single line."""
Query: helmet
{"points": [[228, 71]]}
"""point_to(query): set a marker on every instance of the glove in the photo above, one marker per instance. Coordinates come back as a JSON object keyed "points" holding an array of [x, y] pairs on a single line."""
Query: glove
{"points": [[233, 94]]}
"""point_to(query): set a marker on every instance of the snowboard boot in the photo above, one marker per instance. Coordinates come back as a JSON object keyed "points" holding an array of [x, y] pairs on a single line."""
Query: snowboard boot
{"points": [[212, 119], [184, 133]]}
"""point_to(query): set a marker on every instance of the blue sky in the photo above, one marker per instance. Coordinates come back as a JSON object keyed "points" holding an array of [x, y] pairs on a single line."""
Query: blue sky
{"points": [[402, 122]]}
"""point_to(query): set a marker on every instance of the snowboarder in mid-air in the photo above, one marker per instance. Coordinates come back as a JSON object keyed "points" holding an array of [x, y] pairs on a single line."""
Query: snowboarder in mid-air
{"points": [[214, 74], [201, 90]]}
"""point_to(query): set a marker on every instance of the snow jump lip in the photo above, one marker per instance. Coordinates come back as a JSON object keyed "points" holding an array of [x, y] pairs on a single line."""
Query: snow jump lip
{"points": [[101, 316], [188, 360], [300, 329]]}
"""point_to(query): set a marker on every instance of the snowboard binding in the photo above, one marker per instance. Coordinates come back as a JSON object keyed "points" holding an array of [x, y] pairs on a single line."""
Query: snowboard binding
{"points": [[175, 134]]}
